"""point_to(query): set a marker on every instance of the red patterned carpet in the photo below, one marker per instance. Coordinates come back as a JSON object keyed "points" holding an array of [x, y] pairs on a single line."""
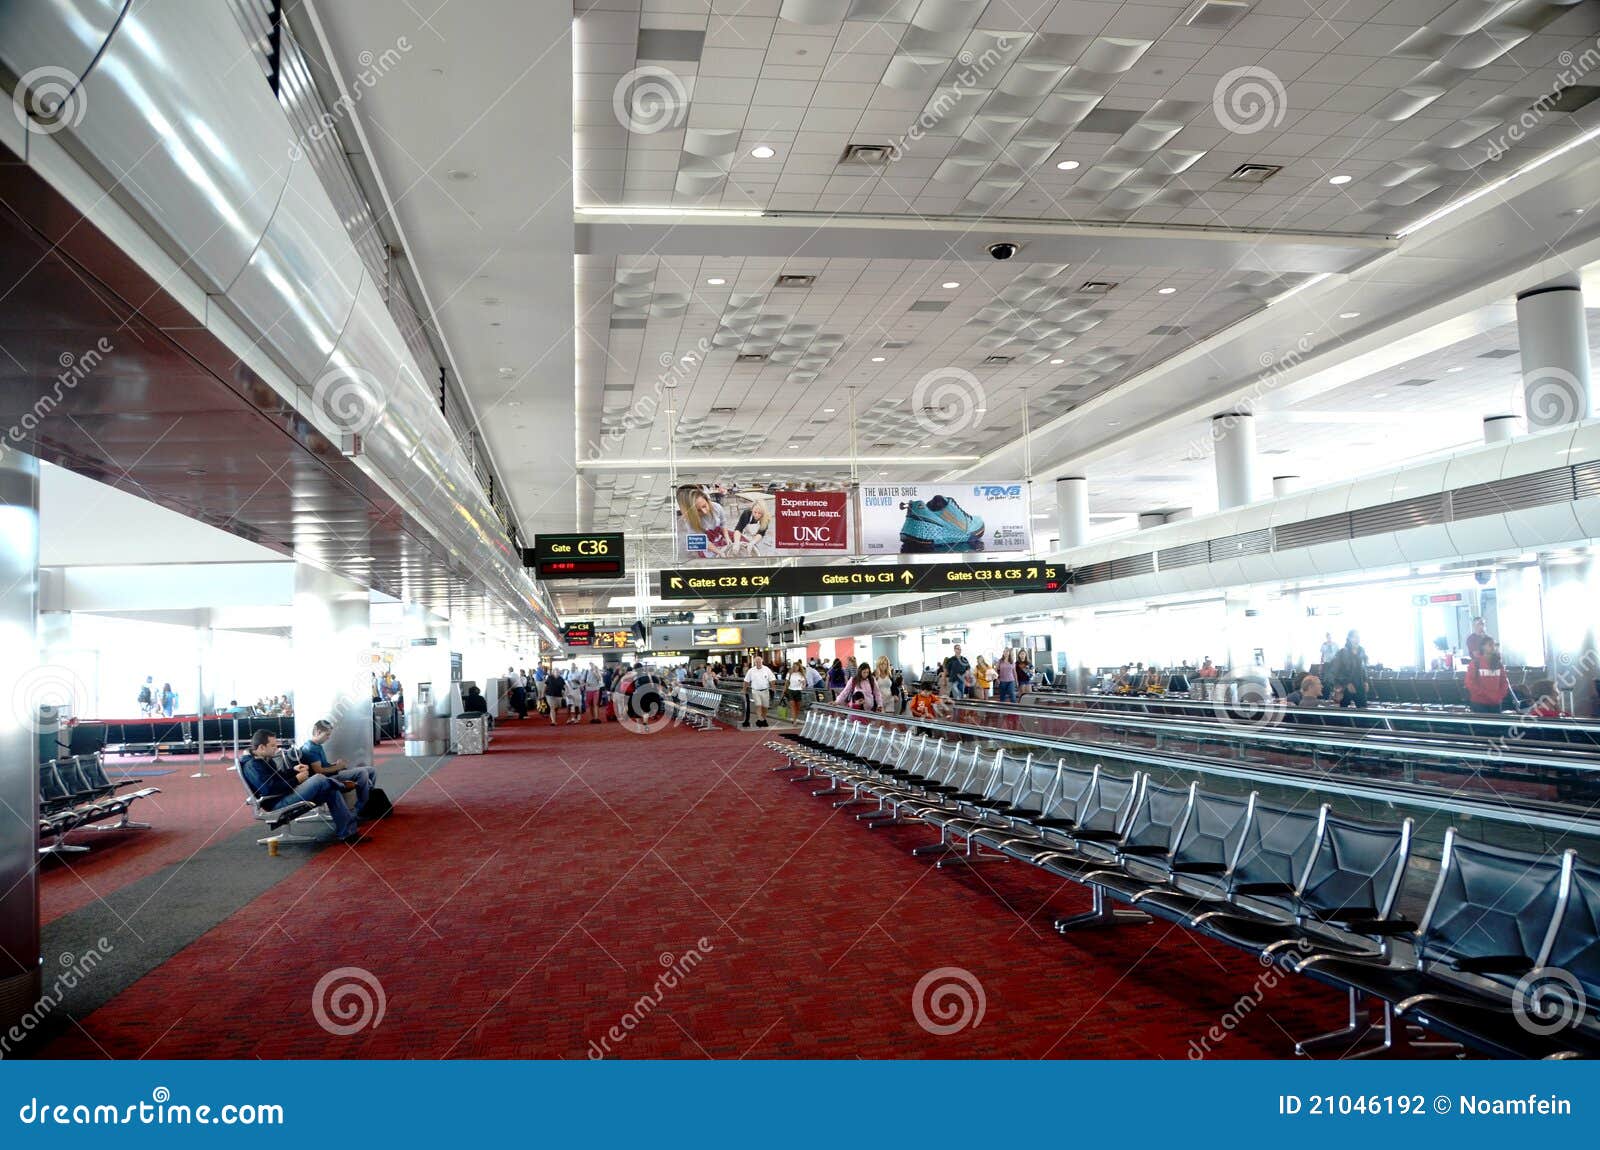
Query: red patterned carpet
{"points": [[549, 900]]}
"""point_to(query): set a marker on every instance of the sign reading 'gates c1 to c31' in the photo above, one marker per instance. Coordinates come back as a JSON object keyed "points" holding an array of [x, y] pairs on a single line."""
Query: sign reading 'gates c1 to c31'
{"points": [[861, 579]]}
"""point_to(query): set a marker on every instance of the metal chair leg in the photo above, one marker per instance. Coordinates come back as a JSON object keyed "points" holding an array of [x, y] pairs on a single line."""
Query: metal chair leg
{"points": [[1101, 913]]}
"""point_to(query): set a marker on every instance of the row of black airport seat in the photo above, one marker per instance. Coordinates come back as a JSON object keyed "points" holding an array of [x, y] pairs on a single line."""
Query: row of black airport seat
{"points": [[182, 734], [75, 793], [1505, 958]]}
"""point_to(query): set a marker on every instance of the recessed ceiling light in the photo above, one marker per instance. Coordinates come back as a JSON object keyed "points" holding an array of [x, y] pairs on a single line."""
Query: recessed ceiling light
{"points": [[950, 285], [716, 281], [794, 447], [461, 175], [1457, 368], [827, 411], [1165, 290], [762, 152], [1349, 315], [513, 403], [1113, 423], [508, 372], [879, 358], [655, 449], [1066, 165], [1337, 181], [1380, 395], [1057, 362]]}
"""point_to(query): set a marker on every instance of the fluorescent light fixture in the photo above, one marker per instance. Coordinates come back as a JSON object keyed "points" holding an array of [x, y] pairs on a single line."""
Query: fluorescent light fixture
{"points": [[1066, 165], [1349, 315], [1165, 290], [879, 358], [1299, 287], [1479, 193], [716, 281], [747, 462], [1057, 362], [1458, 367], [1339, 181], [668, 210], [950, 285], [762, 152]]}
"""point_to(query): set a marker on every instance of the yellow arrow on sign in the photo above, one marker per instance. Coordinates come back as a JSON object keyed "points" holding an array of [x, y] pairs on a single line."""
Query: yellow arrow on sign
{"points": [[676, 582], [1033, 572], [906, 577]]}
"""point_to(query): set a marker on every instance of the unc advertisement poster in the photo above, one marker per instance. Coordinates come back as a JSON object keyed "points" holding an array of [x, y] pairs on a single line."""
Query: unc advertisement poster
{"points": [[773, 520], [943, 518]]}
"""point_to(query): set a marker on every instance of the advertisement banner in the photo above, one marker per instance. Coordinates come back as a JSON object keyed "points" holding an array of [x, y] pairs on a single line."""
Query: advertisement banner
{"points": [[729, 521], [944, 518]]}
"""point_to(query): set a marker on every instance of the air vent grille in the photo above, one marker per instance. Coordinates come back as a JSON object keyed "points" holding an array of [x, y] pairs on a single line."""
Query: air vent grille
{"points": [[1310, 532], [1244, 543], [750, 357], [1421, 511], [996, 361], [1586, 480], [1131, 565], [876, 155], [1254, 173], [1501, 495], [1188, 555], [1093, 573], [795, 280]]}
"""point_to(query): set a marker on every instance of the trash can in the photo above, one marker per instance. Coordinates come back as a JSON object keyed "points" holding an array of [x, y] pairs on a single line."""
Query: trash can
{"points": [[469, 734]]}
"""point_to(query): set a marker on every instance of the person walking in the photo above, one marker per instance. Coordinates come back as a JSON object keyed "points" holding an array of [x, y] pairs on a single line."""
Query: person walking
{"points": [[883, 679], [555, 691], [796, 690], [1005, 678], [1486, 681], [957, 670], [837, 676], [861, 684], [758, 682], [1349, 670], [591, 692]]}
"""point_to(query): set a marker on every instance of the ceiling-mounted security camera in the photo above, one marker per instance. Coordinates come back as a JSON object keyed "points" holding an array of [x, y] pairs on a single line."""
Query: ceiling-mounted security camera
{"points": [[1003, 251]]}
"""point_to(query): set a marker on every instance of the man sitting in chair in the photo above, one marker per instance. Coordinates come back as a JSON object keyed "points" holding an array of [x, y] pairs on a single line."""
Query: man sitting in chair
{"points": [[277, 785], [313, 756]]}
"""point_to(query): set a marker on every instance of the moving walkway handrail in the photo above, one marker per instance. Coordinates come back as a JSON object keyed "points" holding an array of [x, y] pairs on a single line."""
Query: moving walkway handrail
{"points": [[1381, 718], [1324, 739], [1529, 813]]}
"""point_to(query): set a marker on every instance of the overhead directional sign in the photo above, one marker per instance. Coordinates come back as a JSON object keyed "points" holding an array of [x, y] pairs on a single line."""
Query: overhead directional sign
{"points": [[861, 579]]}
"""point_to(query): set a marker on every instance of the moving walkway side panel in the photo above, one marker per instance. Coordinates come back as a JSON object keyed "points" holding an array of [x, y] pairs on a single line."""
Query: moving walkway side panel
{"points": [[1544, 461], [300, 285], [55, 40], [1479, 534], [190, 144]]}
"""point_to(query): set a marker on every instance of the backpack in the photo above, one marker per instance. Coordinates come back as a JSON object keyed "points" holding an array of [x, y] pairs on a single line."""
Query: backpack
{"points": [[378, 804], [144, 694]]}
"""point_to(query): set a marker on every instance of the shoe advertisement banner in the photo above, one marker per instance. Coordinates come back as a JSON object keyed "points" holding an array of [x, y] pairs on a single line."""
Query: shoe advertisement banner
{"points": [[944, 518], [730, 521]]}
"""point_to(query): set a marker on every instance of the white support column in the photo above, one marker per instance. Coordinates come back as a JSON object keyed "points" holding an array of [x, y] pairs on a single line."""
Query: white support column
{"points": [[1499, 428], [331, 648], [20, 687], [1072, 511], [1555, 356], [1235, 437]]}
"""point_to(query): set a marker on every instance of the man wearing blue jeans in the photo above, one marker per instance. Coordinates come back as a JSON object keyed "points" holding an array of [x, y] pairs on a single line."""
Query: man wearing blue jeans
{"points": [[955, 669], [279, 785], [313, 756]]}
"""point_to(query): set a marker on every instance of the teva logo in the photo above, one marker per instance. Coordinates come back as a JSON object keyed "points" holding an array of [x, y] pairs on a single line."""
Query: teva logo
{"points": [[998, 491], [808, 534]]}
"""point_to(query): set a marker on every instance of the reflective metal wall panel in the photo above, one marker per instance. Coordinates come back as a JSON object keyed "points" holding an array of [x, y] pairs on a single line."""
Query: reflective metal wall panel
{"points": [[19, 769]]}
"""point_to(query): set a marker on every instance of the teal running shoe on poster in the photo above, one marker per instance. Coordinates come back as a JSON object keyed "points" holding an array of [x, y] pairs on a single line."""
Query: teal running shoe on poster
{"points": [[940, 525]]}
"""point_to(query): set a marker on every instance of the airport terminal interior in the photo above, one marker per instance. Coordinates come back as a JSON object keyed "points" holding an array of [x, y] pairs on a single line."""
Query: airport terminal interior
{"points": [[771, 529]]}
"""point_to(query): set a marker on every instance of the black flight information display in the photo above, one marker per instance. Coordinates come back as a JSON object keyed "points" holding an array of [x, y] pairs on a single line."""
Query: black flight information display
{"points": [[577, 634], [575, 556]]}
